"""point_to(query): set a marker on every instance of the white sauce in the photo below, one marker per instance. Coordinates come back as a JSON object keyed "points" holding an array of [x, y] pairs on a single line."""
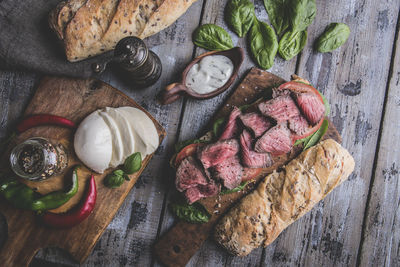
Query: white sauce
{"points": [[209, 74]]}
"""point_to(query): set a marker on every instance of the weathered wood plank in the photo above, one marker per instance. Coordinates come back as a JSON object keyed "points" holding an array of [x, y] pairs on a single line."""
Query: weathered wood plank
{"points": [[214, 13], [381, 236], [332, 229], [197, 115], [16, 89], [353, 78], [128, 239]]}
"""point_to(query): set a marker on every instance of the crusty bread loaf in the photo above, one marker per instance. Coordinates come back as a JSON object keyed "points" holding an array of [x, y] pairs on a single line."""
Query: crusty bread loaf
{"points": [[90, 27], [283, 197]]}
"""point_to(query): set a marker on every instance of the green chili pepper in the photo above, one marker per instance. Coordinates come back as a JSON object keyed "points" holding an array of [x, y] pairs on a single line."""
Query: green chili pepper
{"points": [[17, 193], [7, 184], [55, 199], [23, 197]]}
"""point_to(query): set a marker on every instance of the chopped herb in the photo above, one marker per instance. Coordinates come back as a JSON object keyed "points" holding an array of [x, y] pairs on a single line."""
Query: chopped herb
{"points": [[236, 189]]}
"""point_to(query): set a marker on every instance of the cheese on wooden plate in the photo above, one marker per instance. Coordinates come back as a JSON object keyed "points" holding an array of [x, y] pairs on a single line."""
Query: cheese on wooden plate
{"points": [[108, 136]]}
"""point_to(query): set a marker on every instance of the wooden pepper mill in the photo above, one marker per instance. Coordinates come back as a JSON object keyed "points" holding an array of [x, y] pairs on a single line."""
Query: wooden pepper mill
{"points": [[134, 63]]}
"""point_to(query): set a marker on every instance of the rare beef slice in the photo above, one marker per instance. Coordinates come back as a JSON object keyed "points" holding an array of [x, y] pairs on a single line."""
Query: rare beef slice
{"points": [[229, 171], [189, 174], [281, 108], [276, 141], [251, 158], [213, 154], [256, 122]]}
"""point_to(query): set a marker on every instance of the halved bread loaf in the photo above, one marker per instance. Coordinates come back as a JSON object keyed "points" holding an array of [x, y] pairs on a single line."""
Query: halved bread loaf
{"points": [[91, 27], [283, 197]]}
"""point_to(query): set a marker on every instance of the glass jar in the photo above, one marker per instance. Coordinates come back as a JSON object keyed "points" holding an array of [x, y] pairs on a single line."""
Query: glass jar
{"points": [[37, 159]]}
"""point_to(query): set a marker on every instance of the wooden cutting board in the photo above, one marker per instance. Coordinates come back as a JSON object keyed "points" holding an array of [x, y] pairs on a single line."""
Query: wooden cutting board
{"points": [[73, 99], [182, 241]]}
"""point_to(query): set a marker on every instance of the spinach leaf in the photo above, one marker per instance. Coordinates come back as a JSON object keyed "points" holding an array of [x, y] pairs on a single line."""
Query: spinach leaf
{"points": [[236, 189], [302, 14], [217, 126], [194, 213], [292, 43], [133, 163], [240, 16], [276, 10], [212, 37], [244, 108], [335, 35], [115, 179], [304, 140], [263, 44], [316, 137]]}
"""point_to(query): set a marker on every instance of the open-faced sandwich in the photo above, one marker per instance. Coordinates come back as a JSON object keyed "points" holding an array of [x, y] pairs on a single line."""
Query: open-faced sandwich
{"points": [[283, 197], [260, 142], [252, 138]]}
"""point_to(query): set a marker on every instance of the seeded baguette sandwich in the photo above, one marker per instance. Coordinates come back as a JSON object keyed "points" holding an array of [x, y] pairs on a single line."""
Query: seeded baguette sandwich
{"points": [[90, 27], [251, 140], [283, 197]]}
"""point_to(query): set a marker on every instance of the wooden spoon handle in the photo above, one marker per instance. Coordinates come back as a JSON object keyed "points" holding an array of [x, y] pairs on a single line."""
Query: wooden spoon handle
{"points": [[171, 93]]}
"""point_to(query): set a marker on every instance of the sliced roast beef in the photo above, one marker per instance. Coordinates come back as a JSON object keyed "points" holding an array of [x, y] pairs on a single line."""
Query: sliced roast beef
{"points": [[195, 193], [256, 122], [231, 127], [229, 172], [213, 154], [189, 174], [311, 106], [281, 108], [250, 174], [251, 158], [276, 140], [278, 92], [299, 125]]}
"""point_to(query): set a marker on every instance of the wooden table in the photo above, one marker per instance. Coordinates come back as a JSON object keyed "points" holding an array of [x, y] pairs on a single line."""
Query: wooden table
{"points": [[358, 224]]}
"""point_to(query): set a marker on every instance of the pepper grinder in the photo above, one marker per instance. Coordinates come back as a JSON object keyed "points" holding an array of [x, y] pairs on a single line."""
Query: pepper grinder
{"points": [[134, 63]]}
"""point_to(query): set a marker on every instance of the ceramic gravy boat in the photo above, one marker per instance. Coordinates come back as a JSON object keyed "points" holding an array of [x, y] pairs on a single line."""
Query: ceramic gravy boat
{"points": [[174, 91]]}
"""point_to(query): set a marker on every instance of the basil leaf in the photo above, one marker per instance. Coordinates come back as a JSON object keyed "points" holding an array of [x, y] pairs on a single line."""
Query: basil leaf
{"points": [[263, 44], [292, 43], [212, 37], [118, 172], [316, 137], [236, 189], [276, 10], [114, 179], [133, 163], [335, 35], [240, 16], [126, 177], [194, 213], [302, 14]]}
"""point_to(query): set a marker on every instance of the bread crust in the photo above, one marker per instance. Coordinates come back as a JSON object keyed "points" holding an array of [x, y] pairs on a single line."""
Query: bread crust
{"points": [[283, 197], [91, 27]]}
